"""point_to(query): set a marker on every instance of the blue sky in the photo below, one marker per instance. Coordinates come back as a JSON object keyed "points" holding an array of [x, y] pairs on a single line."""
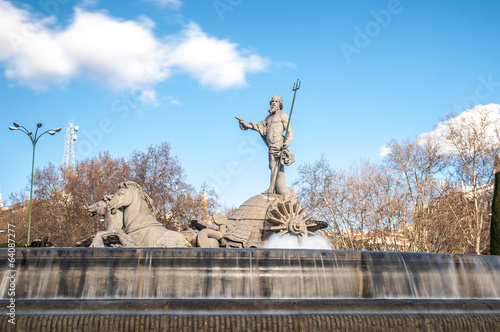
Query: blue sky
{"points": [[137, 73]]}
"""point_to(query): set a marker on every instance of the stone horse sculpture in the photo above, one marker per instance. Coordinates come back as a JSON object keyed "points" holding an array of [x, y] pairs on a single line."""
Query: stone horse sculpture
{"points": [[139, 225], [100, 208]]}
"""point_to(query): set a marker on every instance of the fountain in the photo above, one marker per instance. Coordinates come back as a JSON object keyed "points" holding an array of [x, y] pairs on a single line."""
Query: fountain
{"points": [[250, 289], [152, 281]]}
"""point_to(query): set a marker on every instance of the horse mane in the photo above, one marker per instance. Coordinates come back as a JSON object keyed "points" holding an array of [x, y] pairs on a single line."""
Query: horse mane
{"points": [[144, 196]]}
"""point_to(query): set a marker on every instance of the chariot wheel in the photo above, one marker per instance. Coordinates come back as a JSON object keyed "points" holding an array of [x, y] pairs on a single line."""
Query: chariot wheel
{"points": [[289, 219]]}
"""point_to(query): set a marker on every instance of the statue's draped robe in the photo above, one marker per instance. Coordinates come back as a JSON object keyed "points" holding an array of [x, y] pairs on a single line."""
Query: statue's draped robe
{"points": [[273, 138]]}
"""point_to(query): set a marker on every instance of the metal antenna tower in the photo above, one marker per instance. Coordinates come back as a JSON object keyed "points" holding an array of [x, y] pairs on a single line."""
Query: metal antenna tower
{"points": [[69, 147]]}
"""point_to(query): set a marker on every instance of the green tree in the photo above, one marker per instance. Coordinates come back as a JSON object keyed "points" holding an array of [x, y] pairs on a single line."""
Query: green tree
{"points": [[495, 219]]}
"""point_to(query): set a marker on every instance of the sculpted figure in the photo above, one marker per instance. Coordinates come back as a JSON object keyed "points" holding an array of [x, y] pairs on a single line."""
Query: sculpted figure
{"points": [[210, 238], [100, 208], [112, 222], [271, 129], [139, 227]]}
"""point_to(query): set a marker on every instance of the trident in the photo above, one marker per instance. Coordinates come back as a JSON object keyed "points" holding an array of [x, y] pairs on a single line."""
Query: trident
{"points": [[296, 86]]}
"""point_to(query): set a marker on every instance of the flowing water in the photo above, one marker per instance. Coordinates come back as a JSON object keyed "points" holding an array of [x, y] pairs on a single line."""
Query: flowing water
{"points": [[197, 273], [293, 242]]}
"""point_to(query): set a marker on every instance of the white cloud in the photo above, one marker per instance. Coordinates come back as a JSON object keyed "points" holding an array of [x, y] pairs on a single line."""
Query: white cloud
{"points": [[120, 54], [475, 128], [213, 62], [148, 96], [173, 101], [384, 150], [114, 52], [146, 22]]}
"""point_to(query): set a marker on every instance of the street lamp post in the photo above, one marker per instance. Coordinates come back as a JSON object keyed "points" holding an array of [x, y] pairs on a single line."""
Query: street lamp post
{"points": [[34, 139]]}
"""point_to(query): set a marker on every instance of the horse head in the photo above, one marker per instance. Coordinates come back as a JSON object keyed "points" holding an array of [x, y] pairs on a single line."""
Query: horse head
{"points": [[122, 198], [107, 198], [98, 208]]}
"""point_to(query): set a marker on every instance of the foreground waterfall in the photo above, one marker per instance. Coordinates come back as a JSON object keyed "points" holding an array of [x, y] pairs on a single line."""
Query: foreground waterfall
{"points": [[149, 273], [216, 289]]}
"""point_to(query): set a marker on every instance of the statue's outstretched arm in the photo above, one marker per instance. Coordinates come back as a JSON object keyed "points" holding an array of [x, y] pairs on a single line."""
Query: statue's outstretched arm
{"points": [[259, 127], [243, 124]]}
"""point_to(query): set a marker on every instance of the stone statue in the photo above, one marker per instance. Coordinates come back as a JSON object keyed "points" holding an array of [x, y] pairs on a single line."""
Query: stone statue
{"points": [[261, 216], [210, 238], [271, 130], [139, 226], [100, 208]]}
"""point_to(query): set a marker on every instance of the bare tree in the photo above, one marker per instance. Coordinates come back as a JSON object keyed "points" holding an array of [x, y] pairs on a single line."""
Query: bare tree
{"points": [[163, 178], [322, 190], [471, 141], [363, 206], [448, 175], [61, 194], [418, 162]]}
